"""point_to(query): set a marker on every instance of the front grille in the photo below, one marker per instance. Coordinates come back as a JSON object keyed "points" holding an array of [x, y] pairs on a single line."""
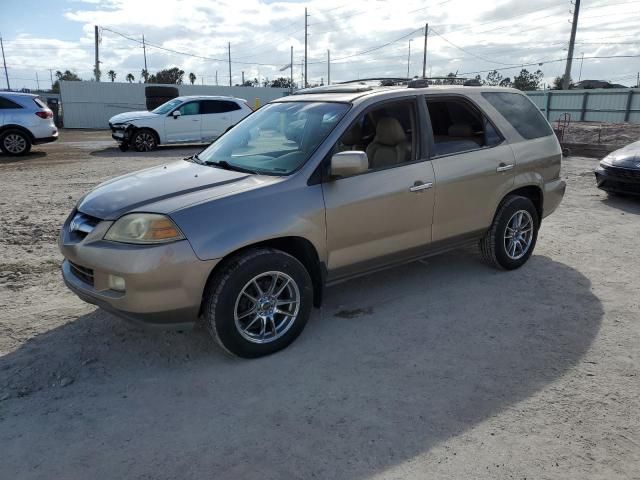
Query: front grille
{"points": [[82, 225], [622, 172], [83, 273]]}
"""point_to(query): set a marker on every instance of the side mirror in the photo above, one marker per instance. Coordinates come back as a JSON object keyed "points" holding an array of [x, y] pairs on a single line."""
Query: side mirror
{"points": [[176, 113], [346, 164]]}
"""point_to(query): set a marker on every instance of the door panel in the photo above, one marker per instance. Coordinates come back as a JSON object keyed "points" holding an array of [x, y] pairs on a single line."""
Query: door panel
{"points": [[187, 126], [469, 188], [374, 218]]}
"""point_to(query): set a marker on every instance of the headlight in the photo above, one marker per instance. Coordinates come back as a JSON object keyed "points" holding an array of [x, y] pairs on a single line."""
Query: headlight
{"points": [[144, 228]]}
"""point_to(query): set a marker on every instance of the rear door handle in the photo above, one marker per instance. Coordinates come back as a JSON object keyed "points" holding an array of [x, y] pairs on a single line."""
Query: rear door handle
{"points": [[503, 167], [418, 185]]}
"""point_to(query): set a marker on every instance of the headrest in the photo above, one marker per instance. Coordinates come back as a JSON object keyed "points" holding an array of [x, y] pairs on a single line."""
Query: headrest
{"points": [[353, 136], [460, 130], [389, 131]]}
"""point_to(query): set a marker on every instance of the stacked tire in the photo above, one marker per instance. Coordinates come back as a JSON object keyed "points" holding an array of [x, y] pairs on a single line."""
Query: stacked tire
{"points": [[156, 95]]}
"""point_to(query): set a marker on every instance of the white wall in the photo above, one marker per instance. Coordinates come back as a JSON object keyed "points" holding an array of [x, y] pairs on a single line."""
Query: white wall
{"points": [[91, 104]]}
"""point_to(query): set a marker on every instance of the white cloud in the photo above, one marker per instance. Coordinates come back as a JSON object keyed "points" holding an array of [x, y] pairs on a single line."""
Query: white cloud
{"points": [[466, 36]]}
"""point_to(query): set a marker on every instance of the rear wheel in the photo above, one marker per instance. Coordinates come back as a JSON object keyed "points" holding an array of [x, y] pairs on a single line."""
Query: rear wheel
{"points": [[510, 240], [15, 142], [259, 303], [144, 140]]}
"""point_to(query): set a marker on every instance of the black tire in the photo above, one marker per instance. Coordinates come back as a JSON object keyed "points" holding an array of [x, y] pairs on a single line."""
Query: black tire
{"points": [[158, 91], [144, 140], [124, 146], [15, 142], [223, 295], [493, 246]]}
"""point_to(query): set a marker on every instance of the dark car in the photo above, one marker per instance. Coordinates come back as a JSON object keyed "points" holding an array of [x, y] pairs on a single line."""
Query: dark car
{"points": [[619, 172]]}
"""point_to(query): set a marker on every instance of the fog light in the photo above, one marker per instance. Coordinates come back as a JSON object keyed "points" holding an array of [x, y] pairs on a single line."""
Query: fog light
{"points": [[116, 283]]}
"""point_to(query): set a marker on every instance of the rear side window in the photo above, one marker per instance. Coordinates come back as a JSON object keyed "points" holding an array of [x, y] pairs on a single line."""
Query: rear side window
{"points": [[219, 106], [521, 113], [5, 103], [40, 103]]}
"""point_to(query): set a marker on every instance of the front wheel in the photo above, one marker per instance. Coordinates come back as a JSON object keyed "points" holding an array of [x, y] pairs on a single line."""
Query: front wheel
{"points": [[144, 140], [510, 240], [258, 303]]}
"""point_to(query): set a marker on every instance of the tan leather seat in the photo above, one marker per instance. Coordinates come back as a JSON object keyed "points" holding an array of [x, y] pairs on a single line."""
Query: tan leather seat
{"points": [[390, 146], [351, 140]]}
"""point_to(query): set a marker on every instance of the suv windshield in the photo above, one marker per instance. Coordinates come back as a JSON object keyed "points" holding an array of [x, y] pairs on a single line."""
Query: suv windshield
{"points": [[277, 139], [167, 107]]}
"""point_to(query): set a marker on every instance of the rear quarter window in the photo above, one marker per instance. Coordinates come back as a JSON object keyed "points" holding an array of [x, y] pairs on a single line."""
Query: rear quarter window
{"points": [[521, 113], [5, 103], [40, 103]]}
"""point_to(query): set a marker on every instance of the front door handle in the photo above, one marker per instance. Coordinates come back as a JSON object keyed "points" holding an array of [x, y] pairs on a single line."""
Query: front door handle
{"points": [[503, 167], [418, 185]]}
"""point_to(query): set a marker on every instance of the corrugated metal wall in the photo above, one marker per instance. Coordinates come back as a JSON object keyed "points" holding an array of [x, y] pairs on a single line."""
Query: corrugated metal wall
{"points": [[92, 104], [617, 105]]}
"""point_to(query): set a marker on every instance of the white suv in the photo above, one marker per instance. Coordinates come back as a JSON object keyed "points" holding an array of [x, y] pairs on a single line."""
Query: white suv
{"points": [[25, 120], [193, 119]]}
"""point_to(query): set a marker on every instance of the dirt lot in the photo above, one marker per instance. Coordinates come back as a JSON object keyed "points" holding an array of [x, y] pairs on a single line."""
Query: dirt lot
{"points": [[438, 369]]}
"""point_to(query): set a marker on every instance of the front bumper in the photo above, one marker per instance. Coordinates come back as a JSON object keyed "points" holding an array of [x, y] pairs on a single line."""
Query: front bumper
{"points": [[164, 284], [119, 133], [618, 180]]}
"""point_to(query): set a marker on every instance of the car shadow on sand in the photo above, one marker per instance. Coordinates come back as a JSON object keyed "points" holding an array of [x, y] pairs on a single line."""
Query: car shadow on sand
{"points": [[626, 203], [395, 363], [21, 158]]}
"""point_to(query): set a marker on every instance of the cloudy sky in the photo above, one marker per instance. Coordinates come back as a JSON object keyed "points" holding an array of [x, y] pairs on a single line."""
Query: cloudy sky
{"points": [[367, 38]]}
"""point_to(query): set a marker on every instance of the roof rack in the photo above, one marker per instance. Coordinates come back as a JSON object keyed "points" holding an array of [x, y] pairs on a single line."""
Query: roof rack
{"points": [[337, 88]]}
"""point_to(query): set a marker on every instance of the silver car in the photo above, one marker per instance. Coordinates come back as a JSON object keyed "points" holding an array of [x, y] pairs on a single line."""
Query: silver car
{"points": [[246, 235], [25, 120]]}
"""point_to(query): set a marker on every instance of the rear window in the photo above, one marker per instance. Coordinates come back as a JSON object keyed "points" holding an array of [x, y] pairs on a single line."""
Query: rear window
{"points": [[40, 103], [521, 113], [5, 103]]}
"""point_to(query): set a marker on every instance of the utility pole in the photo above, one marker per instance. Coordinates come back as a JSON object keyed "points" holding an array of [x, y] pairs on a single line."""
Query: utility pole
{"points": [[243, 77], [37, 81], [291, 67], [216, 78], [638, 80], [581, 60], [328, 67], [51, 77], [229, 63], [572, 42], [424, 54], [97, 67], [144, 52], [409, 60], [6, 72], [306, 35]]}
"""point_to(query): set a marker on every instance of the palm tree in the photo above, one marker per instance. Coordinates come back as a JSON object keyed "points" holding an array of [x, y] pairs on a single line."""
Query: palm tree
{"points": [[192, 78], [112, 75], [144, 74], [130, 77]]}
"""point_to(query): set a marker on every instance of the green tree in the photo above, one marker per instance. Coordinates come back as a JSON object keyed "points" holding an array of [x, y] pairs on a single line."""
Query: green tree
{"points": [[112, 75], [526, 80], [282, 82], [506, 82], [145, 75], [68, 76], [493, 78], [171, 76], [130, 78], [557, 83], [251, 83], [192, 78]]}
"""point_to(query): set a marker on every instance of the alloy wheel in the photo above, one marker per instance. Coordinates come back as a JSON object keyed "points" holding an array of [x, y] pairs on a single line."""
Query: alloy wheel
{"points": [[15, 143], [267, 307], [518, 235], [145, 142]]}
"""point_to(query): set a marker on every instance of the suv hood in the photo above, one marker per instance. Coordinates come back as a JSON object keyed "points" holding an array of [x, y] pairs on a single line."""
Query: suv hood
{"points": [[128, 116], [165, 188], [626, 157]]}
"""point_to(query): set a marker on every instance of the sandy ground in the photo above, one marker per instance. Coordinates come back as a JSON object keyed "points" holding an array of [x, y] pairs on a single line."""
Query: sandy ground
{"points": [[442, 369], [597, 132]]}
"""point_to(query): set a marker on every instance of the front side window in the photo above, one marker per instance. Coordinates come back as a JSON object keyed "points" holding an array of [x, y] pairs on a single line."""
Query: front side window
{"points": [[521, 113], [167, 107], [459, 127], [191, 108], [277, 139], [385, 133]]}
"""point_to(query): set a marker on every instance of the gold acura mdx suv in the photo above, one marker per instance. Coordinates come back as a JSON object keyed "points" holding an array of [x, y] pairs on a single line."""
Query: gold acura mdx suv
{"points": [[310, 190]]}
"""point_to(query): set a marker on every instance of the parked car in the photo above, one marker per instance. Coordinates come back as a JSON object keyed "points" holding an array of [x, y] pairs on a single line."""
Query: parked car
{"points": [[25, 120], [194, 119], [245, 236], [619, 172]]}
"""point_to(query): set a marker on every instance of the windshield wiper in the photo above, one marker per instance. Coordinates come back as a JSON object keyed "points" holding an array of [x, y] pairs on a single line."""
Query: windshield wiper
{"points": [[195, 158], [227, 166]]}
